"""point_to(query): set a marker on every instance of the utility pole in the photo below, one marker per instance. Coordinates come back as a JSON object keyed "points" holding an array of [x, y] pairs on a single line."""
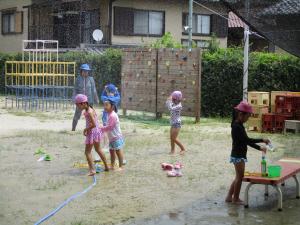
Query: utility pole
{"points": [[246, 53], [190, 24]]}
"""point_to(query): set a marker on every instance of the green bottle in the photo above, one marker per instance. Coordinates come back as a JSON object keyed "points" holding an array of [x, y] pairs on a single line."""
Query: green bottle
{"points": [[263, 166]]}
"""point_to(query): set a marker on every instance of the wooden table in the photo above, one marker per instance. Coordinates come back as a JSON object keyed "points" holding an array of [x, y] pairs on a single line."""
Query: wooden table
{"points": [[292, 125], [290, 168]]}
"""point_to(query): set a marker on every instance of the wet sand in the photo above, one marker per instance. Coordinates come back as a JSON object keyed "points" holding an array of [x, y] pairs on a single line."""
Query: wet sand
{"points": [[30, 189]]}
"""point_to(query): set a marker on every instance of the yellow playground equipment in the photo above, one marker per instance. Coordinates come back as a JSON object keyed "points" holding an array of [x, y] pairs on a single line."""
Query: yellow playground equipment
{"points": [[42, 82]]}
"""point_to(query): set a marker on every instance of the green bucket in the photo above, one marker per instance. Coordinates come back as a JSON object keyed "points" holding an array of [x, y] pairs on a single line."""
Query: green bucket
{"points": [[274, 171]]}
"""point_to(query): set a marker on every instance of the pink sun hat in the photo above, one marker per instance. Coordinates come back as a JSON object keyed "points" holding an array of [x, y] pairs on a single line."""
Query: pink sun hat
{"points": [[177, 95], [80, 98], [244, 106]]}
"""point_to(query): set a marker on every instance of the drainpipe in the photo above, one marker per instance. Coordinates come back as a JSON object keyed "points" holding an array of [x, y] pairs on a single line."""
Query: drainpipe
{"points": [[110, 8]]}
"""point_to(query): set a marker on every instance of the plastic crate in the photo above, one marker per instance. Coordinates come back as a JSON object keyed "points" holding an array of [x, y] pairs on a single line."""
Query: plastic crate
{"points": [[268, 122], [258, 111], [257, 98], [279, 121], [273, 98], [287, 104], [254, 124], [294, 93]]}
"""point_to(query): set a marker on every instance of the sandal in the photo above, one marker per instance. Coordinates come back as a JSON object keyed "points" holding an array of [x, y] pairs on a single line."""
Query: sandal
{"points": [[167, 166], [178, 165], [174, 173]]}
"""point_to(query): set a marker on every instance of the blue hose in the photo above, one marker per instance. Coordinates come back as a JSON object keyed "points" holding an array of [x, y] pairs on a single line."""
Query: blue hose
{"points": [[66, 202]]}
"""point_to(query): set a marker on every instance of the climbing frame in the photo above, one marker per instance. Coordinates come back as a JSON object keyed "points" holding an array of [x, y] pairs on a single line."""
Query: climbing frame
{"points": [[150, 75]]}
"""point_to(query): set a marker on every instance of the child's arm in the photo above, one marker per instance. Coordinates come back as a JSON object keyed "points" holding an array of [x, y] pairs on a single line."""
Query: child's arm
{"points": [[240, 134], [173, 107], [96, 98], [111, 123]]}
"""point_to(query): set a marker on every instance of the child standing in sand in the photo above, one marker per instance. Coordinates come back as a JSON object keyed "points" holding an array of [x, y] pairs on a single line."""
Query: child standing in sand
{"points": [[240, 140], [92, 132], [174, 105], [116, 141]]}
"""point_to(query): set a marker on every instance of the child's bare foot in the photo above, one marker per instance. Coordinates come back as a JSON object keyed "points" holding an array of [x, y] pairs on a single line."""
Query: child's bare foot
{"points": [[238, 202], [228, 199], [172, 153], [182, 152], [106, 169], [119, 169], [91, 173]]}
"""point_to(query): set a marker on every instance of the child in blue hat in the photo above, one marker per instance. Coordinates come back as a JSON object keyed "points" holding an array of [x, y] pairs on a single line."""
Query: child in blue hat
{"points": [[110, 93]]}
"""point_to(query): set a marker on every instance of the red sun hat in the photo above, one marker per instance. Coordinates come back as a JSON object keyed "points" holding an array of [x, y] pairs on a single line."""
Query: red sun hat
{"points": [[244, 106]]}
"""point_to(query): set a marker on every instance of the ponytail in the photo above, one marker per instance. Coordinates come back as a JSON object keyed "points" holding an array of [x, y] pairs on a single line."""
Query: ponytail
{"points": [[234, 116]]}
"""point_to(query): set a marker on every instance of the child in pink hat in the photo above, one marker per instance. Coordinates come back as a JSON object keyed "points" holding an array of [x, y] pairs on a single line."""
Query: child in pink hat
{"points": [[240, 141], [174, 105], [92, 132]]}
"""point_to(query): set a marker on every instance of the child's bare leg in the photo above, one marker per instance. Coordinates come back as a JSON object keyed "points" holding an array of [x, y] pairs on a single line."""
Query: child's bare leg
{"points": [[112, 158], [182, 149], [172, 140], [230, 192], [176, 141], [120, 158], [239, 170], [101, 154], [89, 158]]}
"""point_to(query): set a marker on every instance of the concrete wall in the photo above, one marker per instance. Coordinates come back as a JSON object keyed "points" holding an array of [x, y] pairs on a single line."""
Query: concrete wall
{"points": [[173, 19], [13, 42]]}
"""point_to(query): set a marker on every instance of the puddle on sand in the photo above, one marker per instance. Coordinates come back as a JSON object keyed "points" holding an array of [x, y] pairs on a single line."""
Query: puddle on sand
{"points": [[217, 212]]}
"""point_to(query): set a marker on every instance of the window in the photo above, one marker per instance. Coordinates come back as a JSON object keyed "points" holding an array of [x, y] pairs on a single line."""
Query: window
{"points": [[199, 43], [12, 22], [138, 22], [148, 22], [201, 23]]}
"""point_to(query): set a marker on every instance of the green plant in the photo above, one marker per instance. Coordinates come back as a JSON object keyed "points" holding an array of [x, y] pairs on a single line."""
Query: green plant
{"points": [[222, 77], [214, 44], [166, 41]]}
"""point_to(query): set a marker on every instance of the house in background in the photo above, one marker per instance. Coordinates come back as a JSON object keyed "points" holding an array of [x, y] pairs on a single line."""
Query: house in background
{"points": [[142, 21], [236, 35], [14, 24], [257, 43], [123, 22]]}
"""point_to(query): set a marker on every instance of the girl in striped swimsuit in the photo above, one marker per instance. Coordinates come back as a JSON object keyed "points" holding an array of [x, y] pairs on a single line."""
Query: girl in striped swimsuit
{"points": [[174, 105]]}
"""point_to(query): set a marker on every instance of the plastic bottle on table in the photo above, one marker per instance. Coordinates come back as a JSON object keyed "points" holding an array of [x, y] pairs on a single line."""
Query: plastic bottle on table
{"points": [[263, 165]]}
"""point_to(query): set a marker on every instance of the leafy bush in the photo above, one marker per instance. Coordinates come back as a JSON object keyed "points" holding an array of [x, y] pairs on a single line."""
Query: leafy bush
{"points": [[222, 77], [105, 68]]}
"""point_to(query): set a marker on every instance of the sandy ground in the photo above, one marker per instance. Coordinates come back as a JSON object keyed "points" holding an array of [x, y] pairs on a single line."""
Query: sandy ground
{"points": [[31, 189]]}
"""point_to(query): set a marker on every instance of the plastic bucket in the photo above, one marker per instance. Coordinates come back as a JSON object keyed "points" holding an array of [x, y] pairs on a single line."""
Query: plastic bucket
{"points": [[274, 171]]}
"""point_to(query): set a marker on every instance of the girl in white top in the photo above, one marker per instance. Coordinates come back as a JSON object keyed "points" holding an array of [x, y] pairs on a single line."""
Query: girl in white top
{"points": [[116, 141]]}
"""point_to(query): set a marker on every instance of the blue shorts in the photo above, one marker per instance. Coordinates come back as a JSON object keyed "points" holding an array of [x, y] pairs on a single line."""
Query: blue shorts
{"points": [[176, 125], [117, 144], [236, 160]]}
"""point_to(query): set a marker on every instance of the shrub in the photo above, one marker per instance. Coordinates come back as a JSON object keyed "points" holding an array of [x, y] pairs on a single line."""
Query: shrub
{"points": [[222, 77], [105, 68]]}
